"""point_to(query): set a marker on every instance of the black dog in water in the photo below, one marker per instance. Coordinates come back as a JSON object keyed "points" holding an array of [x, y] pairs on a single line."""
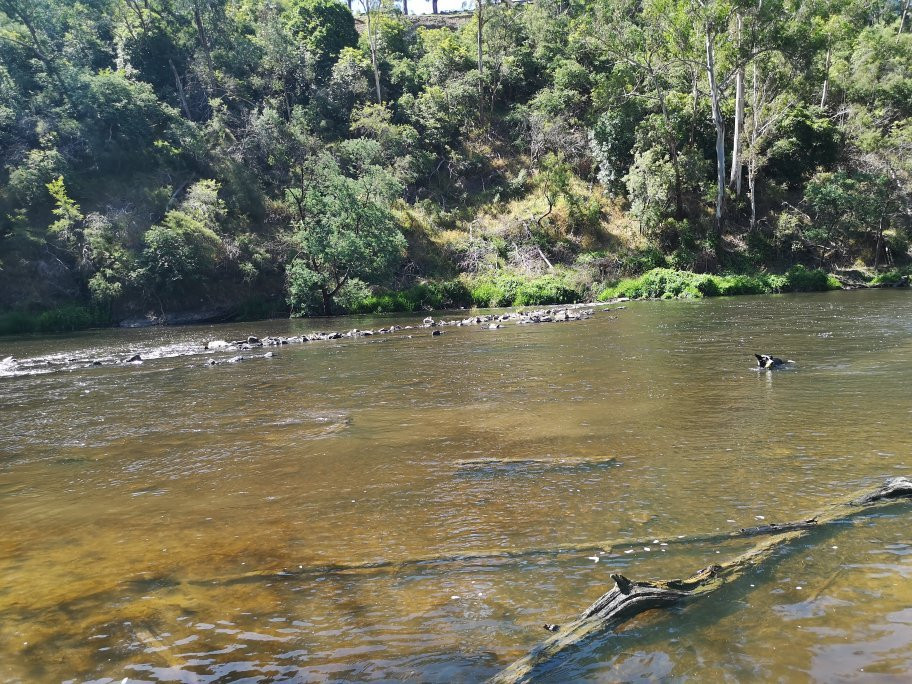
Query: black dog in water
{"points": [[768, 362]]}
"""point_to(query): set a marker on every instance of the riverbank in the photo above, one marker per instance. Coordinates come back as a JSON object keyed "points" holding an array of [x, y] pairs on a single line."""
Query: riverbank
{"points": [[499, 289]]}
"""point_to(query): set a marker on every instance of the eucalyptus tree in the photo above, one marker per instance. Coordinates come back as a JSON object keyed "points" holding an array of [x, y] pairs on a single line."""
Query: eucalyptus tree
{"points": [[370, 9]]}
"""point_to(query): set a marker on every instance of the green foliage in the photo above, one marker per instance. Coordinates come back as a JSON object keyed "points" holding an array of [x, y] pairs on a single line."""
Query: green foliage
{"points": [[497, 289], [807, 142], [344, 230], [803, 279], [422, 297], [511, 289], [61, 319], [177, 253], [325, 27], [611, 143], [66, 210], [232, 150], [650, 187], [663, 283], [547, 289], [891, 277]]}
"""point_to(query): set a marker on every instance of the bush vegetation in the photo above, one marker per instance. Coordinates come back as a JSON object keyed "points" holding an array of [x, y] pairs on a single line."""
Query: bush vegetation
{"points": [[664, 283], [166, 155], [61, 319]]}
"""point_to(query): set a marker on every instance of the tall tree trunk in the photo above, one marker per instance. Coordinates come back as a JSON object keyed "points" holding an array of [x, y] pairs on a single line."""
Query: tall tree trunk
{"points": [[715, 97], [479, 4], [826, 78], [752, 188], [902, 19], [405, 7], [434, 6], [695, 103], [327, 301], [372, 42], [735, 177], [180, 89], [879, 246], [752, 157], [204, 41]]}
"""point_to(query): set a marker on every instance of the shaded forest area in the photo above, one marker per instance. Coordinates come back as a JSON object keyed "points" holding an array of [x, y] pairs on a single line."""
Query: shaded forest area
{"points": [[256, 158]]}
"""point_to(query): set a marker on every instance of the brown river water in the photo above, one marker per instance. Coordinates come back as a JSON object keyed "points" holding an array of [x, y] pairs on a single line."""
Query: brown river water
{"points": [[311, 517]]}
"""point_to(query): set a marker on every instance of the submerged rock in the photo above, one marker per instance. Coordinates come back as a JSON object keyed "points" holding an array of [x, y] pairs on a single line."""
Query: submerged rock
{"points": [[136, 358]]}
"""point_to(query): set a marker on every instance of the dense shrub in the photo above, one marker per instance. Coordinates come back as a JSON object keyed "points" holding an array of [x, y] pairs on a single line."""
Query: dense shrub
{"points": [[545, 290], [891, 277], [665, 283], [802, 279], [422, 297]]}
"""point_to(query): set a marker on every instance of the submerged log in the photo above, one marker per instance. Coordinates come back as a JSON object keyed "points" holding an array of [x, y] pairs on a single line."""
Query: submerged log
{"points": [[389, 566], [505, 466], [629, 598]]}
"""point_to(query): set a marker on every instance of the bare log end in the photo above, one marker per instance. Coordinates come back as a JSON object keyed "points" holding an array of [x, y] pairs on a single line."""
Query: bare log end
{"points": [[894, 488], [623, 584]]}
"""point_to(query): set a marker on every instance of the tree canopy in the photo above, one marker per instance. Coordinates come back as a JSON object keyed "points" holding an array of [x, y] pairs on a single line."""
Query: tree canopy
{"points": [[168, 152]]}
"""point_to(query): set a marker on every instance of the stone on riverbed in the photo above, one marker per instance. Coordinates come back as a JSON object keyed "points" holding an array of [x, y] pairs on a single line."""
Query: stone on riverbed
{"points": [[217, 344]]}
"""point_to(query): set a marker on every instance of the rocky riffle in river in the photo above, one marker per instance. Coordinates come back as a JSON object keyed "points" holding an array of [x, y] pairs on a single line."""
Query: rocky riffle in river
{"points": [[574, 312]]}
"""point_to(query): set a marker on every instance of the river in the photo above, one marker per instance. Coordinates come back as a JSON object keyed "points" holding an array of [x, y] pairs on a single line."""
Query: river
{"points": [[315, 517]]}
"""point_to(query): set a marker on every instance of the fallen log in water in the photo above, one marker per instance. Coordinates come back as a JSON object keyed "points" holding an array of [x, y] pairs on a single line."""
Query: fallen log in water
{"points": [[629, 598]]}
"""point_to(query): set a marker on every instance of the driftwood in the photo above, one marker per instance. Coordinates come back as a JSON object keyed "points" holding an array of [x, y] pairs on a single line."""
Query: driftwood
{"points": [[629, 598]]}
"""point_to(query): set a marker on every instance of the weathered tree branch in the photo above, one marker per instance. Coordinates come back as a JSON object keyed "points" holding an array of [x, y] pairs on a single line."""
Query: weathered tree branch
{"points": [[629, 598]]}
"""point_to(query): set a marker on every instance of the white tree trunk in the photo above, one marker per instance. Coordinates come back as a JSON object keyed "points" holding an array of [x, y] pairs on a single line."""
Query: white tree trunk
{"points": [[752, 156], [715, 97], [372, 42], [826, 79], [479, 4], [735, 178]]}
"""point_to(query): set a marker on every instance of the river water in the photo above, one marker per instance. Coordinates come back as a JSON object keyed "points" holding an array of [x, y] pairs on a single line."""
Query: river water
{"points": [[317, 516]]}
